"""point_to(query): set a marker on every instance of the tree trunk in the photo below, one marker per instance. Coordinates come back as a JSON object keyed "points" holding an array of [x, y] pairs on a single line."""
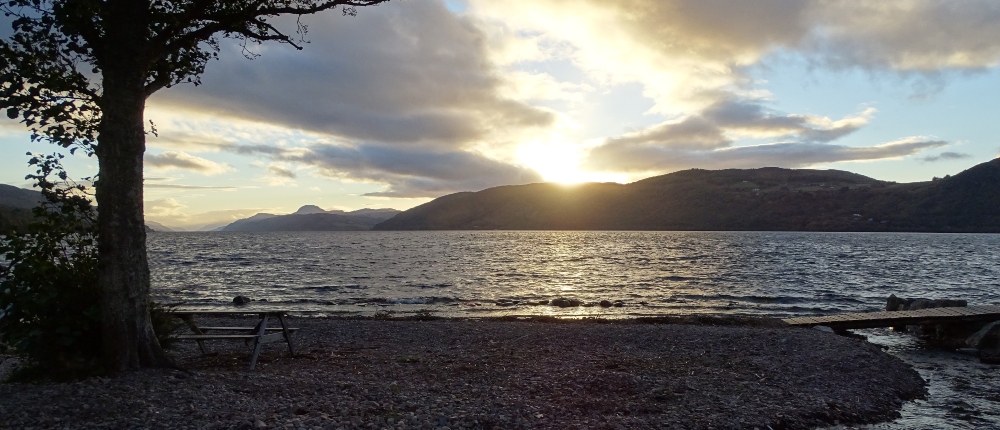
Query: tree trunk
{"points": [[123, 271]]}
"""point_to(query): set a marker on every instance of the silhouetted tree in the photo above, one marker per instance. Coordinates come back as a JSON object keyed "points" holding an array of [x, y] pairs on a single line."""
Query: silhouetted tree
{"points": [[78, 72]]}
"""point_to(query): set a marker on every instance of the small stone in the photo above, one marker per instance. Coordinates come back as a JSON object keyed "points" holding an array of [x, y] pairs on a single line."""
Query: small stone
{"points": [[241, 300], [259, 425], [605, 303]]}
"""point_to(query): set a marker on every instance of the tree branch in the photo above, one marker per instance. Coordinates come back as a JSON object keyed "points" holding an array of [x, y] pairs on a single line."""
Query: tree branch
{"points": [[229, 21]]}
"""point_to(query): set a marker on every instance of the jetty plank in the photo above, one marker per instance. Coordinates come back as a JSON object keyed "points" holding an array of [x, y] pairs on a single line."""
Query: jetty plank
{"points": [[900, 318]]}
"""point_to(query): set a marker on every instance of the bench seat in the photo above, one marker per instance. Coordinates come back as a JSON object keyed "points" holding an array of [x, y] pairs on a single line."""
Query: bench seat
{"points": [[246, 329], [214, 336]]}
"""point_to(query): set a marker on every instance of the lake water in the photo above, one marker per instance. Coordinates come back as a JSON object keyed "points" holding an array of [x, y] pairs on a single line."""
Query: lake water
{"points": [[649, 273]]}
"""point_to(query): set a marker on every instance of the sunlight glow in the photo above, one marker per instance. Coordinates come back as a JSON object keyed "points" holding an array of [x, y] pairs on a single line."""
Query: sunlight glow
{"points": [[559, 162]]}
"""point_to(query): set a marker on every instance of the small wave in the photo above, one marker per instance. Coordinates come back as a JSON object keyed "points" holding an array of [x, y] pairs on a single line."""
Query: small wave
{"points": [[675, 278], [748, 299], [438, 285], [431, 300], [410, 301], [320, 289]]}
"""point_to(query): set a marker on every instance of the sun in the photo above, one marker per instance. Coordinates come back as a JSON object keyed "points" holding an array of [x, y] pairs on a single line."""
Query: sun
{"points": [[560, 163]]}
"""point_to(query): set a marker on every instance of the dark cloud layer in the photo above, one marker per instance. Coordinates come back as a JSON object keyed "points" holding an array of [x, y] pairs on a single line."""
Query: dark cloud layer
{"points": [[412, 72], [705, 139], [910, 36], [650, 158], [281, 172], [945, 156], [408, 172], [188, 187], [709, 128], [182, 160]]}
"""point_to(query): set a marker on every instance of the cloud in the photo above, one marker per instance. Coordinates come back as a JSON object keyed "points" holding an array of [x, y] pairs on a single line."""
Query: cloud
{"points": [[188, 140], [279, 176], [705, 38], [190, 187], [913, 36], [182, 160], [429, 102], [692, 59], [163, 207], [945, 156], [408, 172], [659, 159], [720, 124], [280, 172], [692, 54], [413, 73], [521, 85]]}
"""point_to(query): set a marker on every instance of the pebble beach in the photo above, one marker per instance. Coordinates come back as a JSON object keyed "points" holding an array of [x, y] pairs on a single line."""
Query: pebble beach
{"points": [[676, 373]]}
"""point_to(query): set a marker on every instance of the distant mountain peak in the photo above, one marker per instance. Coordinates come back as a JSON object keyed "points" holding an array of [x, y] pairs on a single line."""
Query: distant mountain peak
{"points": [[313, 218], [309, 209]]}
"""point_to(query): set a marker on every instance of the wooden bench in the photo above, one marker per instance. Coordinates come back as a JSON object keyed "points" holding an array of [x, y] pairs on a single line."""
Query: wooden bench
{"points": [[256, 336]]}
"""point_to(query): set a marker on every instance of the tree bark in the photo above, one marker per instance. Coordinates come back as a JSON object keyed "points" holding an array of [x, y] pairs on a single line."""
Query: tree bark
{"points": [[128, 339]]}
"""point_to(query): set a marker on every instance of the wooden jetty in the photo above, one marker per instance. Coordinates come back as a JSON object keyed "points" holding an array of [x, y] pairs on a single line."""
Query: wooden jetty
{"points": [[900, 318]]}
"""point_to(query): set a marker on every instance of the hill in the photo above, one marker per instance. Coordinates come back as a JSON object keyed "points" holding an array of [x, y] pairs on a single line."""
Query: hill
{"points": [[19, 198], [15, 207], [734, 199], [155, 226], [312, 218]]}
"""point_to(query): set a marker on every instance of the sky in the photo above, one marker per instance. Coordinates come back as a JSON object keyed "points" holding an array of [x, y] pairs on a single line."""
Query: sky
{"points": [[415, 99]]}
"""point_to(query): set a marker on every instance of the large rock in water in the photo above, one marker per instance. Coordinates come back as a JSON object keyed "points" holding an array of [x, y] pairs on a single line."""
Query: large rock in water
{"points": [[565, 303], [986, 338], [894, 303], [241, 300], [987, 341], [947, 335]]}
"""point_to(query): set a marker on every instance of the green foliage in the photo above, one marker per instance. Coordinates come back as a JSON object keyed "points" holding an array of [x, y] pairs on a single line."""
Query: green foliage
{"points": [[164, 324], [49, 298], [14, 219]]}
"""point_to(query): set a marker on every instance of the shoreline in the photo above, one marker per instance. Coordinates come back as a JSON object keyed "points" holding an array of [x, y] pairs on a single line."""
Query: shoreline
{"points": [[680, 372]]}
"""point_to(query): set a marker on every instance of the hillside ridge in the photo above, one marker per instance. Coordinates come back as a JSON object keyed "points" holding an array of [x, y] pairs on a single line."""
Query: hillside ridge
{"points": [[767, 198]]}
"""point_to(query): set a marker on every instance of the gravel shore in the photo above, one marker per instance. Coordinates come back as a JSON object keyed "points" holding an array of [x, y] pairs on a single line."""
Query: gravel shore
{"points": [[494, 374]]}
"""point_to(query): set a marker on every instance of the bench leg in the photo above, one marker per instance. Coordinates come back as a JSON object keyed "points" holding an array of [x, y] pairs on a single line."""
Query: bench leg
{"points": [[257, 343], [194, 329], [288, 335]]}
